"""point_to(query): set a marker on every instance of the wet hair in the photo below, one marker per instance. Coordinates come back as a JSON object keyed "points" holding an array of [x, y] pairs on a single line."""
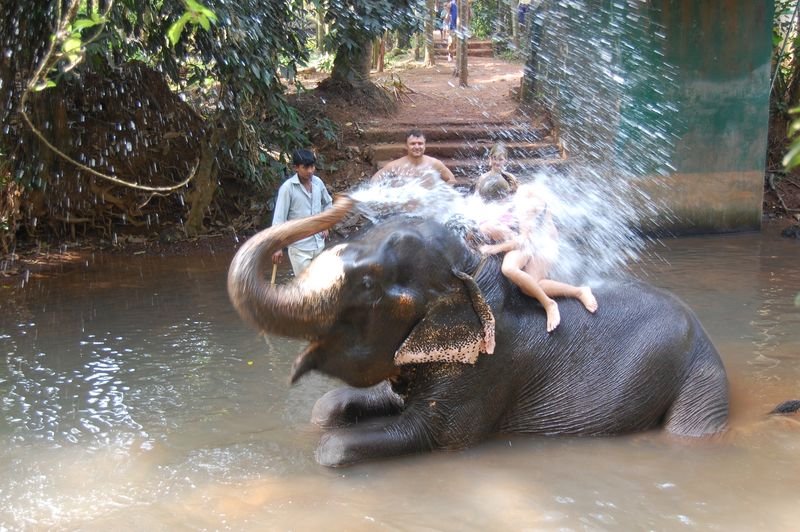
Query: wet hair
{"points": [[303, 158], [415, 133], [497, 150], [494, 189]]}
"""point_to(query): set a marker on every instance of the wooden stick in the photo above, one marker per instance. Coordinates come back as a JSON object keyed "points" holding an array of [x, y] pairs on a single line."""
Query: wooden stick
{"points": [[274, 271]]}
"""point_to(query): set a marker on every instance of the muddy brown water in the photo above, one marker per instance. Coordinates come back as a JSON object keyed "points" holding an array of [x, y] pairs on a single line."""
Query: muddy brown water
{"points": [[133, 397]]}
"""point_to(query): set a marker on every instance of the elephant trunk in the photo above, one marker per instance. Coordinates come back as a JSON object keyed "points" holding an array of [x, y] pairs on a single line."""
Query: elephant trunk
{"points": [[293, 310]]}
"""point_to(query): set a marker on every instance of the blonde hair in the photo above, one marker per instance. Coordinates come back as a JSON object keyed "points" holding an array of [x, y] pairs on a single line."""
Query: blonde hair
{"points": [[499, 149]]}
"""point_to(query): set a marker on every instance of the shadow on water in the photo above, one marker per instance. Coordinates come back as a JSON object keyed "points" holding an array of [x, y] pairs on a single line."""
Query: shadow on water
{"points": [[131, 392]]}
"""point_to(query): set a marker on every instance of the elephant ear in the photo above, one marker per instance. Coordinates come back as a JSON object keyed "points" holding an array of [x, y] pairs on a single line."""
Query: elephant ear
{"points": [[457, 328]]}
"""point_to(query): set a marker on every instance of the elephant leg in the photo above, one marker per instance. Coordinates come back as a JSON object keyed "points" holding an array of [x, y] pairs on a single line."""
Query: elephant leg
{"points": [[701, 407], [345, 406], [349, 446], [429, 421]]}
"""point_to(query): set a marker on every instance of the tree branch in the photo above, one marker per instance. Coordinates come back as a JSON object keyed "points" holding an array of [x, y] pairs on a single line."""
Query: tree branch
{"points": [[45, 65]]}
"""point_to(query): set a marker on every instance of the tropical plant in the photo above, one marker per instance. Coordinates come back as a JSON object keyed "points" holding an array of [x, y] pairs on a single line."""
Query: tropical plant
{"points": [[233, 63], [231, 60], [353, 24], [484, 18], [785, 95]]}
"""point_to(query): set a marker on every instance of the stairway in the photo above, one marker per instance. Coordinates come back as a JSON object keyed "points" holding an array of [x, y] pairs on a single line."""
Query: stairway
{"points": [[475, 48], [464, 148]]}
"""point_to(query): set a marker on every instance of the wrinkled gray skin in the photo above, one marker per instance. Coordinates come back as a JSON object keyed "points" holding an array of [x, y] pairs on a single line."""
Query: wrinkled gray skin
{"points": [[642, 361]]}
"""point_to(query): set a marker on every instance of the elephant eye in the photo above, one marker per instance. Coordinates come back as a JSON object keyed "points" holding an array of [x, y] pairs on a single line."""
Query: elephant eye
{"points": [[367, 282]]}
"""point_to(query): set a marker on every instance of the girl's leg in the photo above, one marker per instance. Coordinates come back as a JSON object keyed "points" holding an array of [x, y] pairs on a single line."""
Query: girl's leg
{"points": [[513, 268], [581, 293]]}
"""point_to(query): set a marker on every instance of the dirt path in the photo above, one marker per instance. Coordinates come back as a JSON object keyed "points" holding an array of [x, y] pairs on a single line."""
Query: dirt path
{"points": [[436, 97]]}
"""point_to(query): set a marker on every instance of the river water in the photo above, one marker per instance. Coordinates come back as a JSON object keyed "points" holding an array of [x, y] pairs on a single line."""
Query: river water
{"points": [[133, 397]]}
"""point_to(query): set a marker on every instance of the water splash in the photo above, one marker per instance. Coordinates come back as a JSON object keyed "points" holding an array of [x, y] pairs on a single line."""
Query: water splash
{"points": [[596, 223], [614, 94], [420, 195]]}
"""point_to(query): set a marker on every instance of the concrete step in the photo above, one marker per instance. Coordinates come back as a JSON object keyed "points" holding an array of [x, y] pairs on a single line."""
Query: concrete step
{"points": [[466, 149], [471, 53], [489, 131], [472, 45]]}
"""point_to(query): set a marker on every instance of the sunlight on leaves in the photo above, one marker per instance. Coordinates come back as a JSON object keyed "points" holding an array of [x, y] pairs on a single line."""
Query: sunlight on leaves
{"points": [[196, 15], [792, 157]]}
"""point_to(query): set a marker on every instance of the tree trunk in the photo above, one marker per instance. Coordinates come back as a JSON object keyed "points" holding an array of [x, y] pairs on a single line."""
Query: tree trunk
{"points": [[380, 54], [376, 50], [500, 21], [352, 65], [430, 11], [515, 23], [320, 28], [793, 85], [528, 86], [204, 182], [463, 25], [10, 210], [506, 18], [403, 39]]}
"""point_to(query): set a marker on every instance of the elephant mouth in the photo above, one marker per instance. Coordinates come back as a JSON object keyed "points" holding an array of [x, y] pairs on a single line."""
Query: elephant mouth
{"points": [[304, 362], [336, 357]]}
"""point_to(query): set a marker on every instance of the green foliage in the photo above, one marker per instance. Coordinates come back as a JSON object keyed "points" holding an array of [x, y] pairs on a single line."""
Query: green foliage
{"points": [[503, 51], [352, 23], [71, 46], [396, 52], [241, 60], [484, 15], [196, 15], [237, 57], [249, 49], [786, 43], [792, 157], [323, 61]]}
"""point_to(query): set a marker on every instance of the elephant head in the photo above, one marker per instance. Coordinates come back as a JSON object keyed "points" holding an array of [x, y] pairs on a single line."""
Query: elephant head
{"points": [[399, 293]]}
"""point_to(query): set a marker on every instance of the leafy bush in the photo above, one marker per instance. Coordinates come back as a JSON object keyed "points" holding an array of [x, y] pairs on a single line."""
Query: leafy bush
{"points": [[484, 15], [786, 78]]}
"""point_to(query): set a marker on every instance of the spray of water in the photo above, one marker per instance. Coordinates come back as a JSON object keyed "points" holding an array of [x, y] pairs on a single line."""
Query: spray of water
{"points": [[596, 226], [600, 71], [420, 195]]}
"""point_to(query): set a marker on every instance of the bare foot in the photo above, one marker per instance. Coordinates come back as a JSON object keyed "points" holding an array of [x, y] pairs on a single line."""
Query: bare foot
{"points": [[586, 297], [553, 316]]}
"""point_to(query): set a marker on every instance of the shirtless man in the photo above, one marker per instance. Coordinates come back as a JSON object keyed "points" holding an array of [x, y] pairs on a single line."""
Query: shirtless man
{"points": [[415, 163]]}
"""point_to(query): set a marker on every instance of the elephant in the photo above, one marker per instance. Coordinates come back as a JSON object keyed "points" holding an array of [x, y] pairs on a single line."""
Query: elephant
{"points": [[431, 338]]}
